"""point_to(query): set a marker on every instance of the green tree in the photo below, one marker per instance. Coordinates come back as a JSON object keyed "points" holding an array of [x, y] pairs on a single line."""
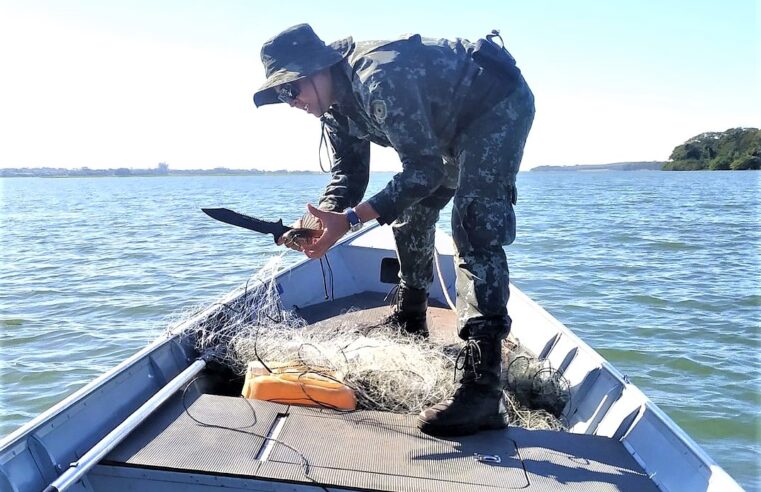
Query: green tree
{"points": [[736, 148], [746, 162]]}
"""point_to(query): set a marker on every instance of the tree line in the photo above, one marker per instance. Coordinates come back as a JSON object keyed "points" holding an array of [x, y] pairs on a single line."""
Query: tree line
{"points": [[734, 149]]}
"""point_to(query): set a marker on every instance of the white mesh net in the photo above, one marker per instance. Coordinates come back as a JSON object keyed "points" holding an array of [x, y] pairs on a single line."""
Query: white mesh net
{"points": [[388, 371]]}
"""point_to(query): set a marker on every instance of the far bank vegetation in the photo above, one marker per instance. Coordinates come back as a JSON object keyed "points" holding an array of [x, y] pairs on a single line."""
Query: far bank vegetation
{"points": [[735, 149]]}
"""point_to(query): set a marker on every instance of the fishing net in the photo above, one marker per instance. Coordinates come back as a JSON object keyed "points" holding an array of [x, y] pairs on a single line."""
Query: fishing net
{"points": [[387, 370], [536, 393]]}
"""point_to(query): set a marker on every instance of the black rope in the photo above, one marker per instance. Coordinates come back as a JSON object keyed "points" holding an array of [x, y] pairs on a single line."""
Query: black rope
{"points": [[256, 352], [332, 283], [324, 283], [332, 295]]}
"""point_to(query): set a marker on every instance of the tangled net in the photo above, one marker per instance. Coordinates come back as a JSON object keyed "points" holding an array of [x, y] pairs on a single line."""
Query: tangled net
{"points": [[387, 370], [536, 393]]}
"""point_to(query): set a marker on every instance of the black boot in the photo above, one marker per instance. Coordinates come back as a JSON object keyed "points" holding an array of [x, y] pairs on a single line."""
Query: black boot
{"points": [[410, 306], [477, 403]]}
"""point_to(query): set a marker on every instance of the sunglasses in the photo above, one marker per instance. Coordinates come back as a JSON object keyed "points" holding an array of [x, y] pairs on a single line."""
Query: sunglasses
{"points": [[287, 93]]}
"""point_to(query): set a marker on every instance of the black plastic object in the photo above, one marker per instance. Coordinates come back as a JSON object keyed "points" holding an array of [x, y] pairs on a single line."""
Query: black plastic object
{"points": [[389, 271]]}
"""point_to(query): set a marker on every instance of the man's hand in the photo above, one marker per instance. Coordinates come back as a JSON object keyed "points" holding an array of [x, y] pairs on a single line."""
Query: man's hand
{"points": [[298, 236], [334, 226]]}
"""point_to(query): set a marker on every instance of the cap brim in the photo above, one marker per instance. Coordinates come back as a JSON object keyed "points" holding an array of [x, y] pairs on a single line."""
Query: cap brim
{"points": [[266, 94]]}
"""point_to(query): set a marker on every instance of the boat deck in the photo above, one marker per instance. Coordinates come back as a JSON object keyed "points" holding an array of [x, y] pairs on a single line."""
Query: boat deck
{"points": [[363, 450]]}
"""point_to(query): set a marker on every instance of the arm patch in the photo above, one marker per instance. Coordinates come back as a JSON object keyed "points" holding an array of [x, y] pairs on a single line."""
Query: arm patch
{"points": [[379, 111]]}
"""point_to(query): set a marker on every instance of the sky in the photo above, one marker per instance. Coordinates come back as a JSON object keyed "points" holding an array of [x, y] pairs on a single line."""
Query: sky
{"points": [[107, 84]]}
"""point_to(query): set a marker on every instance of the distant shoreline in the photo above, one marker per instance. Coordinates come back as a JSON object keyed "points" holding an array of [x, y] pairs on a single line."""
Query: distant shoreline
{"points": [[615, 166], [48, 172], [170, 175], [59, 173], [163, 171]]}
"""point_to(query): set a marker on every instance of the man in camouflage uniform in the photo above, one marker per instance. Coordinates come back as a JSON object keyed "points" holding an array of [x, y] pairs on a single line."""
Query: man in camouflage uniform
{"points": [[459, 121]]}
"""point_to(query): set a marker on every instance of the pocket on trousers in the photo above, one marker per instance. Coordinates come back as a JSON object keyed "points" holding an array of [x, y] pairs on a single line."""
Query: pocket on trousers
{"points": [[483, 222]]}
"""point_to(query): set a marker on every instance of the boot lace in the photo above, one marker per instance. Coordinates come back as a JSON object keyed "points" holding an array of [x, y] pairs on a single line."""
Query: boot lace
{"points": [[469, 359], [394, 299], [394, 296]]}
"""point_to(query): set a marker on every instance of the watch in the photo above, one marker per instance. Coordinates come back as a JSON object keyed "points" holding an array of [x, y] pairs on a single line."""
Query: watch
{"points": [[355, 223]]}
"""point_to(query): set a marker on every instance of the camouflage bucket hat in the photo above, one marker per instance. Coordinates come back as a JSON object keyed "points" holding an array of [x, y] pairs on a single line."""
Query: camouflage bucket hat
{"points": [[294, 54]]}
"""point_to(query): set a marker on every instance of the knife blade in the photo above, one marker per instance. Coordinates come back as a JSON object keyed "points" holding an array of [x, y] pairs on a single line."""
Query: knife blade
{"points": [[277, 229]]}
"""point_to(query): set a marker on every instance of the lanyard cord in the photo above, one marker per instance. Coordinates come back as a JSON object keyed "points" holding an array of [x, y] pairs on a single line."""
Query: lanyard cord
{"points": [[323, 140]]}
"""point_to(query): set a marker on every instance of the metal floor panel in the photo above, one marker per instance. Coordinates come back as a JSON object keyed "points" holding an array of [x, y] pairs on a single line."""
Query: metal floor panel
{"points": [[381, 451], [372, 451], [367, 450], [579, 462], [370, 307], [172, 439]]}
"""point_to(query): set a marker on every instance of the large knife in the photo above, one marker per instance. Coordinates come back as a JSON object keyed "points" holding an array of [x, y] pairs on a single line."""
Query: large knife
{"points": [[277, 229]]}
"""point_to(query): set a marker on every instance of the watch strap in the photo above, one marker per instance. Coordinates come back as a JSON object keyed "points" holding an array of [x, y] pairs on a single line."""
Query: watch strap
{"points": [[355, 223]]}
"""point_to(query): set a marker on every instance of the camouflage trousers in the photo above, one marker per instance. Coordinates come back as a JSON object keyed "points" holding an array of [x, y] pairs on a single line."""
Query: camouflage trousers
{"points": [[481, 172]]}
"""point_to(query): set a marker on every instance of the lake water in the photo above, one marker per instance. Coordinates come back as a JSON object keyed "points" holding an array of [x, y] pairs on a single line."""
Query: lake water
{"points": [[657, 271]]}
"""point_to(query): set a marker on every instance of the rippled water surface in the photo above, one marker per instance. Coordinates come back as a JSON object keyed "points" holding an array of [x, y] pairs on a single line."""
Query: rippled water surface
{"points": [[657, 271]]}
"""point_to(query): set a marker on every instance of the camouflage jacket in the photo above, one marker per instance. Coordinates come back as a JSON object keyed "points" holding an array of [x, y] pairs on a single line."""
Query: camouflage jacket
{"points": [[413, 94]]}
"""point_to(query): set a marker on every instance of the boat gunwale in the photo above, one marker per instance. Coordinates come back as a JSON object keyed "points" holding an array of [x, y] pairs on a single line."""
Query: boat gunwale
{"points": [[645, 402]]}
